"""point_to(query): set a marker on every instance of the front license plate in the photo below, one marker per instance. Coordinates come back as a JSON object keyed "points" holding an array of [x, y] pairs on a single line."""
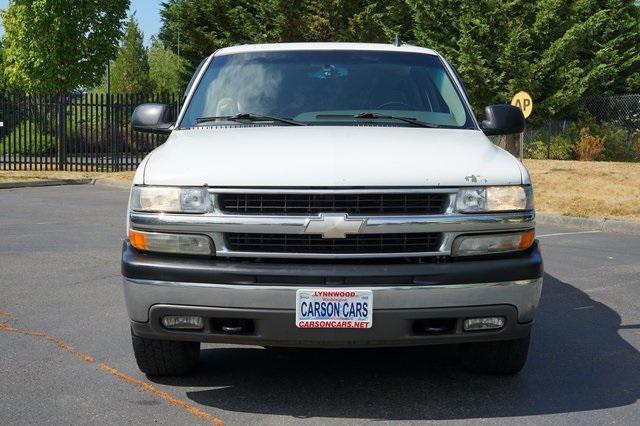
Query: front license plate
{"points": [[334, 308]]}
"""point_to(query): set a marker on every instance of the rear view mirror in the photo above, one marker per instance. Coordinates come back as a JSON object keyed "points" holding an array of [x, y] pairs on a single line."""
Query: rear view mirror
{"points": [[502, 120], [153, 118]]}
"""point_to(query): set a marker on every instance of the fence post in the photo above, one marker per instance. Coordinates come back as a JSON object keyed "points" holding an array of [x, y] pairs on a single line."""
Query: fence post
{"points": [[109, 127], [62, 131], [116, 134], [3, 118], [548, 138]]}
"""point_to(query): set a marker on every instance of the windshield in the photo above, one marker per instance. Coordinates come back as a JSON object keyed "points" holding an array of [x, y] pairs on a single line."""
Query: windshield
{"points": [[328, 87]]}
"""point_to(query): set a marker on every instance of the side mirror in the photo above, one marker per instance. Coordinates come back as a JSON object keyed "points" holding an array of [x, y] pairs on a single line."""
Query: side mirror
{"points": [[502, 120], [153, 118]]}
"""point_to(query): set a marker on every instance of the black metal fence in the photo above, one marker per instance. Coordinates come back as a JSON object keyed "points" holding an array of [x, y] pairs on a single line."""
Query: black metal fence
{"points": [[92, 132], [74, 132]]}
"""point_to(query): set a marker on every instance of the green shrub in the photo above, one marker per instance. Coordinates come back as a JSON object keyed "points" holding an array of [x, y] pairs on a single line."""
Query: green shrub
{"points": [[562, 147], [635, 146], [28, 139], [549, 145], [614, 142], [536, 150], [617, 143], [589, 147]]}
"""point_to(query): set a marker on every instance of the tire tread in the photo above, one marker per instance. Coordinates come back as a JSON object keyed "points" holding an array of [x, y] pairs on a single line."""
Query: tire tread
{"points": [[165, 357]]}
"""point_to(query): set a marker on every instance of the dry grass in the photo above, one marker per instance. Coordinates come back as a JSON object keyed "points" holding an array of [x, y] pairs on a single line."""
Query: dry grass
{"points": [[571, 188], [35, 175], [594, 189]]}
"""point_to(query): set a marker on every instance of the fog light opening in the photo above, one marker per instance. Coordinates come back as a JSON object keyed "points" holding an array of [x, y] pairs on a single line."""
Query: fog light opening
{"points": [[434, 326], [183, 322], [485, 323], [233, 325]]}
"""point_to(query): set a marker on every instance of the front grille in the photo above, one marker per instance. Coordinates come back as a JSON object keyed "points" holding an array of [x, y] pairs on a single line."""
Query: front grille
{"points": [[353, 204], [352, 244]]}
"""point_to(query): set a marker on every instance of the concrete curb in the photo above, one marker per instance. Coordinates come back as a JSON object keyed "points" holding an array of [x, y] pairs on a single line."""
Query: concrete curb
{"points": [[48, 182], [590, 223], [109, 183]]}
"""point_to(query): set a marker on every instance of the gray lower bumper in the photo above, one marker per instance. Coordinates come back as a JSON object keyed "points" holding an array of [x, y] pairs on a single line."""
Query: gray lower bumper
{"points": [[395, 327], [272, 310], [141, 295]]}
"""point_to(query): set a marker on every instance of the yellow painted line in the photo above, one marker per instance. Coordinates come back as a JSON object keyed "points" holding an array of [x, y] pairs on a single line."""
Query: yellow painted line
{"points": [[6, 315], [59, 343], [195, 411], [146, 387]]}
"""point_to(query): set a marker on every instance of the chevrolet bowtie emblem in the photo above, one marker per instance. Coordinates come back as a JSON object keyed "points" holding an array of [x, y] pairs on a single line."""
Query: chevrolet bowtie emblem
{"points": [[334, 225]]}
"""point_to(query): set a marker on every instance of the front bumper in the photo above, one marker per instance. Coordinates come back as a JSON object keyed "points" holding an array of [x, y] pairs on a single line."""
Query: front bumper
{"points": [[265, 294], [391, 327]]}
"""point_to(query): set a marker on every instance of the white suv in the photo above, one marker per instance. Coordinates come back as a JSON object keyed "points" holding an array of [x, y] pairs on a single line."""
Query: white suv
{"points": [[330, 195]]}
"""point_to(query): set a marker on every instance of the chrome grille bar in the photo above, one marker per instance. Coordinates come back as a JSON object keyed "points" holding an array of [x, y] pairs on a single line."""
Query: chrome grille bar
{"points": [[296, 224], [373, 204]]}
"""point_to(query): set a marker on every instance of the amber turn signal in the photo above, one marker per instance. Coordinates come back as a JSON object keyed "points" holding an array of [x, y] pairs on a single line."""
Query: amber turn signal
{"points": [[527, 239], [138, 239], [477, 245], [161, 242]]}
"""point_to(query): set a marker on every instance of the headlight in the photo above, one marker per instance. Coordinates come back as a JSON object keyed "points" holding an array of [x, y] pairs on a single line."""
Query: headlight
{"points": [[171, 243], [494, 199], [475, 245], [170, 199]]}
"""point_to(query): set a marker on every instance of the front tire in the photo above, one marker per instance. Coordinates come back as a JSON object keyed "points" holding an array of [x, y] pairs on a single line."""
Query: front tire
{"points": [[496, 358], [165, 357]]}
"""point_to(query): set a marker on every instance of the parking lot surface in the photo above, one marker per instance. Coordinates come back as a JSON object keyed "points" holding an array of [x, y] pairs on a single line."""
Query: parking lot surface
{"points": [[65, 352]]}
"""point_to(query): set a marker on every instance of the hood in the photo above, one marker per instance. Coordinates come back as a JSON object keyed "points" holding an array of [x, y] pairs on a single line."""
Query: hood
{"points": [[340, 156]]}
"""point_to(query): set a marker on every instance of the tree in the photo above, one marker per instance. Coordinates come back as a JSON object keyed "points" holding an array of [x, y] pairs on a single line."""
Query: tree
{"points": [[197, 28], [167, 71], [344, 20], [3, 82], [487, 41], [378, 21], [130, 70], [60, 45], [597, 53], [318, 20], [559, 51]]}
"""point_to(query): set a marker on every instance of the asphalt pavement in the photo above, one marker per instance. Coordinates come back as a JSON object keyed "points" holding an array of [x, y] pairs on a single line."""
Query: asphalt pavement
{"points": [[66, 358]]}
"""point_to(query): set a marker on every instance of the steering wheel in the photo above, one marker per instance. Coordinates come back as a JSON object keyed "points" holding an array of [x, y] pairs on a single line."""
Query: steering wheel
{"points": [[389, 105]]}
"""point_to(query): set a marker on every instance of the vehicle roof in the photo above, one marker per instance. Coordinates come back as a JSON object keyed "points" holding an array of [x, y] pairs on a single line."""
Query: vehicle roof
{"points": [[274, 47]]}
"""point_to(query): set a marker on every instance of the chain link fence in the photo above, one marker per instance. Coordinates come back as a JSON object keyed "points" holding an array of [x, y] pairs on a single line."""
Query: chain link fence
{"points": [[607, 128], [622, 110]]}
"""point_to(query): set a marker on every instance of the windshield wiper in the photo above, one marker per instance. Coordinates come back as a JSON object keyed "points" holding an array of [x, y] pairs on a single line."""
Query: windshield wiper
{"points": [[374, 115], [410, 120], [246, 116]]}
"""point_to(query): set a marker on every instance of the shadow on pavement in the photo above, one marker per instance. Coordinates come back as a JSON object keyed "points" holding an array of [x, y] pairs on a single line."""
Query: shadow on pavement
{"points": [[578, 362]]}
